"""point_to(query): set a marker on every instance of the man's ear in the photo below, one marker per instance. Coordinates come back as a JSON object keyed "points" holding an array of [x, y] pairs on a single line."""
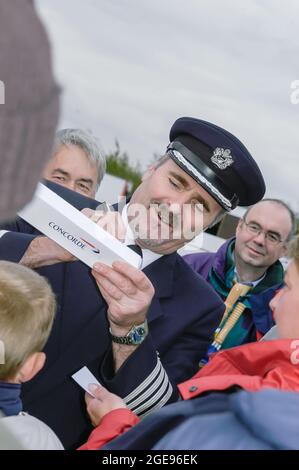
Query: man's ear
{"points": [[283, 250], [31, 367], [239, 226], [148, 173]]}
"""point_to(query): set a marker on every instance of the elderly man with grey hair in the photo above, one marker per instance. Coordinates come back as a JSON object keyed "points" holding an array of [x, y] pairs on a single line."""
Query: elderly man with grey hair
{"points": [[77, 162]]}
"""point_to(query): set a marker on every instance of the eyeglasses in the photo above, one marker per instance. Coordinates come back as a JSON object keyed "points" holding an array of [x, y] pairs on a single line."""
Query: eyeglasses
{"points": [[255, 229]]}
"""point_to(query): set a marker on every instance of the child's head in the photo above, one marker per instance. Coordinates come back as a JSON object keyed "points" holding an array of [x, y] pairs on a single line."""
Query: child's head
{"points": [[27, 309], [285, 304]]}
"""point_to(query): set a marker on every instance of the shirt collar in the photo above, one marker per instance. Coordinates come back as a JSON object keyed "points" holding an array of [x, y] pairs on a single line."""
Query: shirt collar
{"points": [[250, 283]]}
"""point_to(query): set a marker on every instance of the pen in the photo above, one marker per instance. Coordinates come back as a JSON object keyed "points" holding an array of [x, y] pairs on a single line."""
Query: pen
{"points": [[100, 210]]}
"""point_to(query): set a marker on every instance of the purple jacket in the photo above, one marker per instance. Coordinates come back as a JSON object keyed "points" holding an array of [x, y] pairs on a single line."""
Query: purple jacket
{"points": [[261, 313]]}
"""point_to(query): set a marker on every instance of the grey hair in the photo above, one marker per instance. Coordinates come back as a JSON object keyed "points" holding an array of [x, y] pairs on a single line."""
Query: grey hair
{"points": [[87, 143], [286, 207]]}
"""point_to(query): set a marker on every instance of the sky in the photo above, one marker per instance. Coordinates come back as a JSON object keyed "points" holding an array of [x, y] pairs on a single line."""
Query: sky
{"points": [[130, 68]]}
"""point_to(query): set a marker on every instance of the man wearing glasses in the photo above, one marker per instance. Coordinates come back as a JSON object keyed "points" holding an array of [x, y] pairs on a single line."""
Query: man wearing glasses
{"points": [[246, 272]]}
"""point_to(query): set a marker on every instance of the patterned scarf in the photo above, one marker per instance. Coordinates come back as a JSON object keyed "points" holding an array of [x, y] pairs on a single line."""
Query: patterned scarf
{"points": [[243, 330]]}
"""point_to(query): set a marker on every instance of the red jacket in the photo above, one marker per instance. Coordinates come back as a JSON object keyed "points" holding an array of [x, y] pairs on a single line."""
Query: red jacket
{"points": [[112, 425], [253, 366]]}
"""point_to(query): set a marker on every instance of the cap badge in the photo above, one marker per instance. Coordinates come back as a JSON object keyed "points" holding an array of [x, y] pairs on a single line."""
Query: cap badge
{"points": [[222, 158]]}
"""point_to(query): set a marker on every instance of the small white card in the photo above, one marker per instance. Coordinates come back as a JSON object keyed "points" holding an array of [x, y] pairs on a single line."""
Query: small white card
{"points": [[84, 377]]}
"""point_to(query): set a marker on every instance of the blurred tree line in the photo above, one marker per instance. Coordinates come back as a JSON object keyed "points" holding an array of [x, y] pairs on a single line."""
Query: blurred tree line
{"points": [[118, 164]]}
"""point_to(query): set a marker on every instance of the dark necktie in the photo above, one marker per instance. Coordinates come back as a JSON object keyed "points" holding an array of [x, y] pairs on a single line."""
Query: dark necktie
{"points": [[137, 249]]}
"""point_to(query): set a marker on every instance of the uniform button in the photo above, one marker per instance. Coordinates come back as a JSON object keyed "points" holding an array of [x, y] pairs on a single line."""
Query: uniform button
{"points": [[193, 388]]}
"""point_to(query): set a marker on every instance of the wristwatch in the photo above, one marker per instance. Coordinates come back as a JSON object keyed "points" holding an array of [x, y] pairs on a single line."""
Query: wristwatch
{"points": [[135, 336]]}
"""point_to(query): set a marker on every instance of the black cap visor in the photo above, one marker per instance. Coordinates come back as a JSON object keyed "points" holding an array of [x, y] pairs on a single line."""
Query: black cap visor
{"points": [[202, 174]]}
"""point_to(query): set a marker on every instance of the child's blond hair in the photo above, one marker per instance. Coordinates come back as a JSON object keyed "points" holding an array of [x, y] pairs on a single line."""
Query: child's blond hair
{"points": [[27, 309]]}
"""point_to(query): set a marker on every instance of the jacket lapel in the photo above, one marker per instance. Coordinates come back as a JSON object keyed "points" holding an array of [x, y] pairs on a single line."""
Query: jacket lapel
{"points": [[160, 273]]}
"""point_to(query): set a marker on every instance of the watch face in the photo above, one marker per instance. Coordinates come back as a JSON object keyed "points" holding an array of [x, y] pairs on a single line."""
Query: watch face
{"points": [[135, 336], [138, 335], [141, 331]]}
